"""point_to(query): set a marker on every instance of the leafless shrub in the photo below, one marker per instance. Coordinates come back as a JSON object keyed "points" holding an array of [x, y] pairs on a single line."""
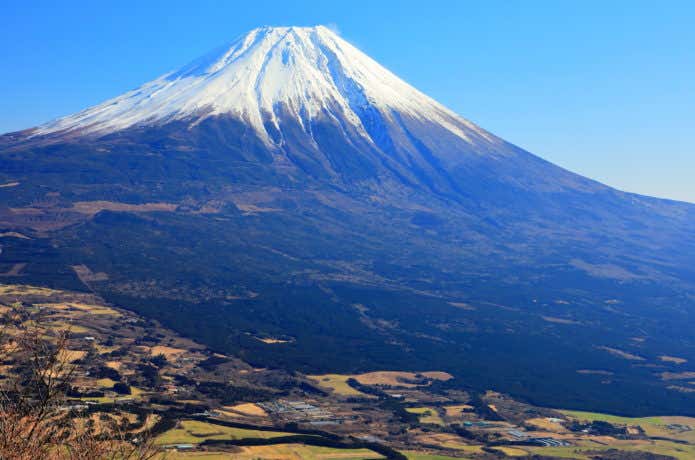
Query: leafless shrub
{"points": [[35, 422]]}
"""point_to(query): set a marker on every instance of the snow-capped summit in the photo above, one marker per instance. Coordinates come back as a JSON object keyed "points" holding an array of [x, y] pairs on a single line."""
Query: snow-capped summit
{"points": [[306, 72]]}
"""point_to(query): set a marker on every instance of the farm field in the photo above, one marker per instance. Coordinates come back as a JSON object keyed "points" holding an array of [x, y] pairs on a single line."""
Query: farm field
{"points": [[594, 416], [652, 426], [449, 441], [457, 410], [511, 451], [195, 432], [279, 452], [249, 409], [396, 379], [427, 415], [414, 455], [589, 450], [338, 384], [401, 379]]}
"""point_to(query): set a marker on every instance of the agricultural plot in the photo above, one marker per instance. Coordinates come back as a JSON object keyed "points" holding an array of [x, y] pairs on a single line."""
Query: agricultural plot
{"points": [[511, 451], [401, 379], [546, 424], [337, 383], [279, 452], [456, 411], [427, 415], [195, 432], [448, 441], [396, 379], [589, 450], [247, 409], [167, 352], [662, 426], [415, 455]]}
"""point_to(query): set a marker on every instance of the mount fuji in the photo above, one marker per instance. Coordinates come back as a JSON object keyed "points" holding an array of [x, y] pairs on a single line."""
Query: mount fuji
{"points": [[300, 72], [287, 185]]}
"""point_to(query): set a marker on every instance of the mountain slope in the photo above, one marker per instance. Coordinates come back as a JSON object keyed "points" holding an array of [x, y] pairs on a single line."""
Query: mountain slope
{"points": [[288, 185], [297, 86]]}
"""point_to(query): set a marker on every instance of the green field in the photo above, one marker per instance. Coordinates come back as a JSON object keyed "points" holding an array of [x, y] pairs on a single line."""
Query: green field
{"points": [[413, 455], [195, 432], [338, 384], [596, 416], [586, 452], [279, 451], [426, 415]]}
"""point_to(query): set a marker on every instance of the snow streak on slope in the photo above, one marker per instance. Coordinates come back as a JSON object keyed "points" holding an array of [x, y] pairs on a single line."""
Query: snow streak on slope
{"points": [[308, 71]]}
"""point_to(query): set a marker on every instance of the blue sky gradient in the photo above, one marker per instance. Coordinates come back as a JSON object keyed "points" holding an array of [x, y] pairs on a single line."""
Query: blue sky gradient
{"points": [[606, 89]]}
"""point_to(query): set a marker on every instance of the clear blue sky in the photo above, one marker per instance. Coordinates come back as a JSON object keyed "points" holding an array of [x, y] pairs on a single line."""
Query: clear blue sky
{"points": [[604, 88]]}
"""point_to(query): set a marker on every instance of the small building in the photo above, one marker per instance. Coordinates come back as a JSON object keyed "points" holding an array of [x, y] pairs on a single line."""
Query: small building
{"points": [[518, 434], [180, 446]]}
